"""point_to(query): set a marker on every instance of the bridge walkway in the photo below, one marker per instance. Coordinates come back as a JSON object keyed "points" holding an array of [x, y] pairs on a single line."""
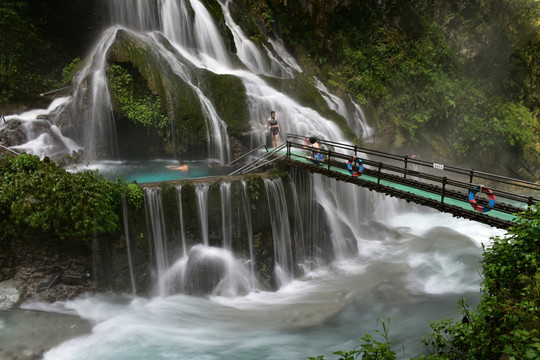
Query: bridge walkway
{"points": [[442, 187]]}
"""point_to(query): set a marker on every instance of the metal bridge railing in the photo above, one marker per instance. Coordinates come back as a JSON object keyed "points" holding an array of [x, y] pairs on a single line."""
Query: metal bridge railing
{"points": [[8, 149], [448, 181], [266, 159]]}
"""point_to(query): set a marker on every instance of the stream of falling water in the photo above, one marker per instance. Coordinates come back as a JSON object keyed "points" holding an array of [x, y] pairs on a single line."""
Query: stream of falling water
{"points": [[397, 260], [364, 256]]}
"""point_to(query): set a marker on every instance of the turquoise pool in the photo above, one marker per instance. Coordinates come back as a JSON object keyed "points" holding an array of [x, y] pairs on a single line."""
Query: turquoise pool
{"points": [[153, 170]]}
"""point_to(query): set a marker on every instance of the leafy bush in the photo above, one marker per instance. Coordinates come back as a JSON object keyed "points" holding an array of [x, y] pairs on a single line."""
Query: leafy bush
{"points": [[135, 195], [69, 71], [507, 320], [141, 108], [39, 196], [369, 349]]}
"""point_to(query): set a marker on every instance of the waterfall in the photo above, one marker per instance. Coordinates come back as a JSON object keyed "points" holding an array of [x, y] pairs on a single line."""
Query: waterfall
{"points": [[226, 214], [355, 118], [156, 233], [281, 233], [181, 218], [196, 41], [139, 15], [202, 206], [249, 229], [302, 259], [128, 245], [95, 120], [250, 54]]}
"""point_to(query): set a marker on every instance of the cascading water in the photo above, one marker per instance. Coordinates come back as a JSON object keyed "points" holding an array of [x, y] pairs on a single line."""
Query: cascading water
{"points": [[226, 214], [281, 232], [249, 232], [202, 206], [356, 120], [128, 245], [157, 235], [181, 220], [363, 256]]}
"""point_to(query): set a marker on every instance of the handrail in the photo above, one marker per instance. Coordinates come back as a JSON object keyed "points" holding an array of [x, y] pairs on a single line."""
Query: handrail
{"points": [[254, 164], [55, 91], [246, 154], [471, 173], [8, 149], [398, 174]]}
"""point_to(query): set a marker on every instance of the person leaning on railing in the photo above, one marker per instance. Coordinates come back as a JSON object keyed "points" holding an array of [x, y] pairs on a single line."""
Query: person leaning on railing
{"points": [[312, 144]]}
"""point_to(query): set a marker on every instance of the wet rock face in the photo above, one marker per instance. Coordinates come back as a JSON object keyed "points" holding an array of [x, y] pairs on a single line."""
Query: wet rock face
{"points": [[11, 293], [15, 133], [203, 273]]}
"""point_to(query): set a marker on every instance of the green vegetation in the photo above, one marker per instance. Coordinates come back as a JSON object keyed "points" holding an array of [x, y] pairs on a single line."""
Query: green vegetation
{"points": [[41, 198], [461, 77], [369, 349], [69, 71], [38, 40], [507, 320], [19, 40], [506, 323], [135, 195], [140, 107]]}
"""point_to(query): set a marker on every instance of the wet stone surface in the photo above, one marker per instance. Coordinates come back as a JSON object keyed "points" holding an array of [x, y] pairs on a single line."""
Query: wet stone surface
{"points": [[27, 334]]}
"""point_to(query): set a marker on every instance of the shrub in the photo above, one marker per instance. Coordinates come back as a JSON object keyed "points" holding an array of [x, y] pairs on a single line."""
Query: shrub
{"points": [[42, 197]]}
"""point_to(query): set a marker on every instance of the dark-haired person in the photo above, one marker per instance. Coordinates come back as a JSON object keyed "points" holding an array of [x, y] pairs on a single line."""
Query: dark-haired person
{"points": [[312, 144], [273, 125]]}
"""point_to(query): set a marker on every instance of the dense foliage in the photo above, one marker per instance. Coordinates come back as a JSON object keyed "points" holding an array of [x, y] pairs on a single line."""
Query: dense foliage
{"points": [[507, 320], [38, 39], [369, 348], [461, 77], [135, 101], [506, 323], [40, 197]]}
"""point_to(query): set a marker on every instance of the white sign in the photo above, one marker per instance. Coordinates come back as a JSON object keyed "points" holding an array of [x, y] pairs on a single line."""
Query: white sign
{"points": [[438, 166]]}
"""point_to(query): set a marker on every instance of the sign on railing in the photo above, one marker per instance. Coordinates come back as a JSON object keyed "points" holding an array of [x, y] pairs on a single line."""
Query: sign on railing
{"points": [[438, 166]]}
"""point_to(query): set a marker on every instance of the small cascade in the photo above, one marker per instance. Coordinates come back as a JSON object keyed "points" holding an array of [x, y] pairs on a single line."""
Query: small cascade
{"points": [[181, 218], [355, 117], [315, 227], [202, 206], [361, 120], [268, 64], [281, 233], [95, 119], [138, 15], [128, 245], [156, 232], [300, 245], [249, 230], [40, 136], [226, 214], [209, 270]]}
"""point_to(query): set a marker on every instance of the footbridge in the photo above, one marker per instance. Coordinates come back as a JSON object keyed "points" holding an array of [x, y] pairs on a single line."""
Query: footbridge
{"points": [[487, 198]]}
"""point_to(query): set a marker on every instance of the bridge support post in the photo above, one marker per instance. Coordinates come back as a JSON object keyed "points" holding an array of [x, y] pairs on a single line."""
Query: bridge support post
{"points": [[471, 175], [288, 149], [379, 174], [443, 189], [329, 155], [405, 158]]}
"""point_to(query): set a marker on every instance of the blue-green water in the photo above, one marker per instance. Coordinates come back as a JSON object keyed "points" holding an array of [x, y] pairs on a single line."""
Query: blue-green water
{"points": [[154, 170]]}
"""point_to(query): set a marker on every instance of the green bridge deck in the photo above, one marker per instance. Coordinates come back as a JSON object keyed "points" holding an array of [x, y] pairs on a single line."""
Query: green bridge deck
{"points": [[449, 193]]}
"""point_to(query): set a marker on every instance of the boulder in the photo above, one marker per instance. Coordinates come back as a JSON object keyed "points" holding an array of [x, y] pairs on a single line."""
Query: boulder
{"points": [[11, 294]]}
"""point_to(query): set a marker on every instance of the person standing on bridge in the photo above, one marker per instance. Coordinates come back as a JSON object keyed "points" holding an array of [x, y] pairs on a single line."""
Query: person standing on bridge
{"points": [[273, 125]]}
